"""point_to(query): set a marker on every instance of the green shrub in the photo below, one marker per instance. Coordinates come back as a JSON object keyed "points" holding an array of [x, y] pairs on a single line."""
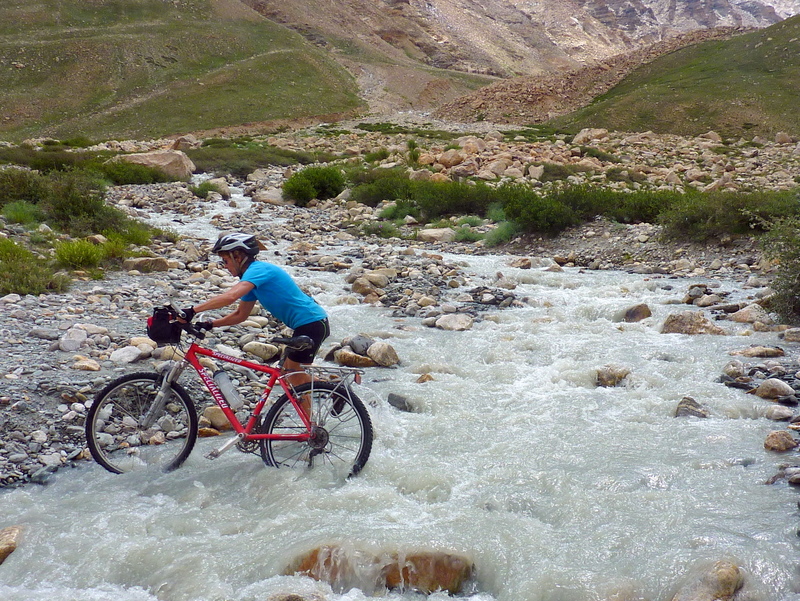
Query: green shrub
{"points": [[781, 243], [240, 158], [371, 190], [591, 151], [554, 172], [379, 155], [413, 152], [702, 216], [314, 182], [133, 232], [202, 190], [503, 233], [24, 212], [78, 142], [470, 220], [78, 254], [122, 173], [467, 234], [21, 272], [218, 143], [399, 210], [495, 212], [115, 249], [300, 190], [21, 185], [450, 198], [382, 229], [535, 213]]}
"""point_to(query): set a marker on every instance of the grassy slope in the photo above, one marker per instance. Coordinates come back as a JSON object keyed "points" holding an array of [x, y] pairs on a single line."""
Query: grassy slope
{"points": [[142, 68], [748, 84]]}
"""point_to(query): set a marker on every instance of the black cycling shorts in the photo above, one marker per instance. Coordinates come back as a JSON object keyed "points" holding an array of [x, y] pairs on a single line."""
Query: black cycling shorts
{"points": [[317, 331]]}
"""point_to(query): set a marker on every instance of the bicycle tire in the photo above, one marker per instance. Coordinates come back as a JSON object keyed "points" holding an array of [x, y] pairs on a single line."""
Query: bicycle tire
{"points": [[343, 437], [117, 441]]}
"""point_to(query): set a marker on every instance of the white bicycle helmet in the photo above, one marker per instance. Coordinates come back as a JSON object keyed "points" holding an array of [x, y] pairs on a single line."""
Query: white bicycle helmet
{"points": [[247, 243]]}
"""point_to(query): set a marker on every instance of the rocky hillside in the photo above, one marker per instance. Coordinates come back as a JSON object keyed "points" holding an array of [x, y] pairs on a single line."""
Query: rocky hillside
{"points": [[405, 51], [537, 98]]}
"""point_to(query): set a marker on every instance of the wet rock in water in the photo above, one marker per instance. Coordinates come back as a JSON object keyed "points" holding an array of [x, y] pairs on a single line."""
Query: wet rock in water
{"points": [[734, 369], [792, 474], [692, 323], [780, 441], [9, 538], [721, 582], [688, 407], [424, 572], [457, 322], [751, 314], [609, 376], [637, 313], [773, 388], [760, 351], [779, 413], [383, 354], [791, 335], [359, 343], [400, 402], [347, 358]]}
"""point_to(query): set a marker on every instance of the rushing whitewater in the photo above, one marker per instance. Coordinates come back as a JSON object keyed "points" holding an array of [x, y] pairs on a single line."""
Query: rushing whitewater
{"points": [[556, 489]]}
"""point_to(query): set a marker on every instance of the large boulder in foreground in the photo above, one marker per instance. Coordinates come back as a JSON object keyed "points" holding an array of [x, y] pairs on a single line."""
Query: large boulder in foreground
{"points": [[424, 572], [720, 582], [173, 163]]}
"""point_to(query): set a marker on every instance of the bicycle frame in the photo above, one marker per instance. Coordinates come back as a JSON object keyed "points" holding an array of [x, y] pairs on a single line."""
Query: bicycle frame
{"points": [[243, 433]]}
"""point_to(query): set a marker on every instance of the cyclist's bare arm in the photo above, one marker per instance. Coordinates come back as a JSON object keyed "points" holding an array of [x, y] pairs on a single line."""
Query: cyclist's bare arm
{"points": [[241, 313]]}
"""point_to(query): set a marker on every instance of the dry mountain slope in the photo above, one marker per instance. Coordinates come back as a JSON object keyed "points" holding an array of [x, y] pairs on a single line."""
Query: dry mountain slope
{"points": [[534, 99], [409, 53]]}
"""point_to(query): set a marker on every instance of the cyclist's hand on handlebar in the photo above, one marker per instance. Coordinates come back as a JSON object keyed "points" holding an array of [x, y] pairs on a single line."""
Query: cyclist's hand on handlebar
{"points": [[204, 325], [186, 314]]}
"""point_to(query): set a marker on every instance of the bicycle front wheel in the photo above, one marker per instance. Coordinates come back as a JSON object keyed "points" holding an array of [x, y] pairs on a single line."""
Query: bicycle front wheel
{"points": [[341, 436], [120, 441]]}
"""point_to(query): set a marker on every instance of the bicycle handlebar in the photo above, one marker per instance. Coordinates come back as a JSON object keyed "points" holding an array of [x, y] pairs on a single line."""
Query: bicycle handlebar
{"points": [[186, 326]]}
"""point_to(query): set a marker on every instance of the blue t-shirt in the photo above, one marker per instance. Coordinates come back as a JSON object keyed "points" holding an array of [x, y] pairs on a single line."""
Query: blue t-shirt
{"points": [[280, 295]]}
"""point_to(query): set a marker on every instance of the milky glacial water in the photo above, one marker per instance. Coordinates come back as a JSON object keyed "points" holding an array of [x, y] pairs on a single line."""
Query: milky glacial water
{"points": [[556, 489]]}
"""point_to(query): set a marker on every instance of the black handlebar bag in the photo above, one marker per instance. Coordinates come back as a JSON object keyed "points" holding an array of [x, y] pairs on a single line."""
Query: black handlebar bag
{"points": [[162, 327]]}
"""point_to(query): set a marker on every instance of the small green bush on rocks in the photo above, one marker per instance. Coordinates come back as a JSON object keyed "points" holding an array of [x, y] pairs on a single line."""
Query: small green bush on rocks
{"points": [[79, 254], [22, 272], [314, 182]]}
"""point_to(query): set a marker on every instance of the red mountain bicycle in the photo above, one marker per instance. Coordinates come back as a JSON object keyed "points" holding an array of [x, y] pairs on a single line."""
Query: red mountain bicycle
{"points": [[148, 419]]}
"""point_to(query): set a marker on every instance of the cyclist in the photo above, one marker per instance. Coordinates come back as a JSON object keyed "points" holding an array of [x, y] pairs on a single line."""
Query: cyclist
{"points": [[275, 290]]}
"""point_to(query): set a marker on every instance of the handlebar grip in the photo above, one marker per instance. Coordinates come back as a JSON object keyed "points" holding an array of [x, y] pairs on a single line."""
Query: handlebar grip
{"points": [[190, 329]]}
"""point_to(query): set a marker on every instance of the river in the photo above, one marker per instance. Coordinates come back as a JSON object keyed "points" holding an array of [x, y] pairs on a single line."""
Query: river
{"points": [[556, 489]]}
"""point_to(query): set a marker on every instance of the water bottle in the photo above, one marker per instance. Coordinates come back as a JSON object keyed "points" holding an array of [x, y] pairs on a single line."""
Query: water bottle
{"points": [[223, 381]]}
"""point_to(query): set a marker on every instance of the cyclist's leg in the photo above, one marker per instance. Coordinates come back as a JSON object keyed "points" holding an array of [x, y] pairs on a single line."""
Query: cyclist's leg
{"points": [[296, 361]]}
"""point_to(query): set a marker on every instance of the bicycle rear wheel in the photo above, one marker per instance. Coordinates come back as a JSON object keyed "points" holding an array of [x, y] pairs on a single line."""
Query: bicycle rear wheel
{"points": [[116, 437], [341, 435]]}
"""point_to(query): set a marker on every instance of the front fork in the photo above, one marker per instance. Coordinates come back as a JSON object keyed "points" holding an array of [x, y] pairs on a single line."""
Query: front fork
{"points": [[164, 392]]}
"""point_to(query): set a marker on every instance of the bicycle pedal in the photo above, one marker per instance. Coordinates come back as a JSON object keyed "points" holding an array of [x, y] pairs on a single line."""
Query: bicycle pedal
{"points": [[213, 454]]}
